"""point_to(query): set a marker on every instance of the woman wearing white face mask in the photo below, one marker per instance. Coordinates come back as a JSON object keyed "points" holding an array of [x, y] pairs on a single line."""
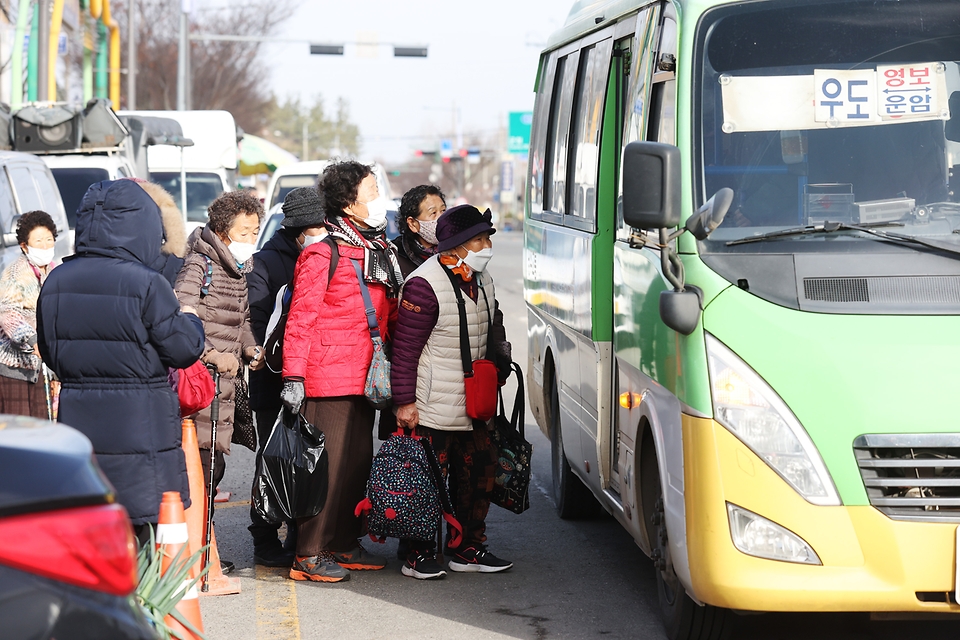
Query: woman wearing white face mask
{"points": [[212, 282], [301, 227], [327, 351], [427, 377], [22, 388]]}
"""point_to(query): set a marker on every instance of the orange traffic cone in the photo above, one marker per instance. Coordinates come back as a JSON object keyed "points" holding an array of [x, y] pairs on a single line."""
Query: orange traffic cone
{"points": [[196, 516], [172, 537]]}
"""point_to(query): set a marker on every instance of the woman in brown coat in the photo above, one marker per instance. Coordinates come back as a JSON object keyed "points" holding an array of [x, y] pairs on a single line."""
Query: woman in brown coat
{"points": [[212, 281]]}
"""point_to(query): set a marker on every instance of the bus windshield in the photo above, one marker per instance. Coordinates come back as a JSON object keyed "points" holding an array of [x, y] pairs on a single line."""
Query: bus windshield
{"points": [[831, 112]]}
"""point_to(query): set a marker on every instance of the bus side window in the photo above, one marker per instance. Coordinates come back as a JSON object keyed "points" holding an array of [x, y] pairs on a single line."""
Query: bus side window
{"points": [[663, 98], [663, 113], [558, 135], [538, 136], [635, 101], [583, 161]]}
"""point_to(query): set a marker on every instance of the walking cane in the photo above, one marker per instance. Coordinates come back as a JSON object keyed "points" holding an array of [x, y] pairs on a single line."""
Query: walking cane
{"points": [[214, 417]]}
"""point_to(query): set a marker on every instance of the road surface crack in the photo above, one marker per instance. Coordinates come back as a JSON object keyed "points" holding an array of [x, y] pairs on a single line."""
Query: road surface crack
{"points": [[536, 622]]}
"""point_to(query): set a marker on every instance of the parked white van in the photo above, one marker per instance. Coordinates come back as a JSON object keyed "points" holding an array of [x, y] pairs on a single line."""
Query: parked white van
{"points": [[26, 184], [304, 174], [210, 164]]}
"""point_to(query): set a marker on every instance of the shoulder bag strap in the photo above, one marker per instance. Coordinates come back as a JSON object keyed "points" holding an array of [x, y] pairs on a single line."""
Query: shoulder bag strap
{"points": [[464, 332], [486, 302], [367, 302], [334, 257], [518, 417], [207, 276], [445, 504]]}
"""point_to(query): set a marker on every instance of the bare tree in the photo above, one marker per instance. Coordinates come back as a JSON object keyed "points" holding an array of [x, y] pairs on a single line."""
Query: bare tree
{"points": [[327, 135], [224, 75]]}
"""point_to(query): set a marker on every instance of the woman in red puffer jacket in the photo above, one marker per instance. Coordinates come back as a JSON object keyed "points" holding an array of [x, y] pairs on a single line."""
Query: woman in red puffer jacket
{"points": [[327, 350]]}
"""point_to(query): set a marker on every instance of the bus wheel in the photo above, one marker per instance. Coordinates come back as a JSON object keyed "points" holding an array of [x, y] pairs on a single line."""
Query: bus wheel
{"points": [[683, 619], [573, 498]]}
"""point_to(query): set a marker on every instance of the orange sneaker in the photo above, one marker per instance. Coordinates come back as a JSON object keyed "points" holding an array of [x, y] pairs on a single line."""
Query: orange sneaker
{"points": [[318, 568], [357, 559]]}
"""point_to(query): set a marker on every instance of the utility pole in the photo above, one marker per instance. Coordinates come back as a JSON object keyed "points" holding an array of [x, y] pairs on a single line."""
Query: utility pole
{"points": [[131, 55], [306, 148], [43, 51], [182, 61]]}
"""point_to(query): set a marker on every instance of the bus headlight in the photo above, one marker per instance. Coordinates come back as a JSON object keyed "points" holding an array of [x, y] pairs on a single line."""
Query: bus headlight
{"points": [[752, 411], [756, 536]]}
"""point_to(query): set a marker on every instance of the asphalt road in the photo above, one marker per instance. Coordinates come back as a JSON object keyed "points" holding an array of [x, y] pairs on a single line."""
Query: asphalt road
{"points": [[571, 579]]}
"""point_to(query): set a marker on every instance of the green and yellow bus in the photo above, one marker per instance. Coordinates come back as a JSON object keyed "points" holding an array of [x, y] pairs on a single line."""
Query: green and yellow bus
{"points": [[742, 276]]}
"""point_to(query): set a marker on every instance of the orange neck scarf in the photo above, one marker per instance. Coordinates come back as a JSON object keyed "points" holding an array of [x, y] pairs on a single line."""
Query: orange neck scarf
{"points": [[462, 270]]}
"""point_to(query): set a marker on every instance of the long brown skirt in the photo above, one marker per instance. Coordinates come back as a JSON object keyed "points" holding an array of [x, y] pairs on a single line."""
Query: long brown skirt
{"points": [[22, 398], [347, 426]]}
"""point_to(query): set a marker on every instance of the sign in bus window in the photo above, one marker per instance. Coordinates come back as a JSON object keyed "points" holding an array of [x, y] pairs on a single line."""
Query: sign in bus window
{"points": [[833, 98]]}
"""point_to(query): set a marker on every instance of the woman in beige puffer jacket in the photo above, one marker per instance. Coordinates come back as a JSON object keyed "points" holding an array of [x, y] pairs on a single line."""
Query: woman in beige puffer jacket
{"points": [[221, 254]]}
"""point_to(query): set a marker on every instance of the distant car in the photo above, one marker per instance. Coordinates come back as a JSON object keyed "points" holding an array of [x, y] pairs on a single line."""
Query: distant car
{"points": [[67, 551], [271, 222], [304, 174], [26, 184]]}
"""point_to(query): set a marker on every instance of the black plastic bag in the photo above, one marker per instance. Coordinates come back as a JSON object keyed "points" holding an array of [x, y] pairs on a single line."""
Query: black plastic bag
{"points": [[291, 479]]}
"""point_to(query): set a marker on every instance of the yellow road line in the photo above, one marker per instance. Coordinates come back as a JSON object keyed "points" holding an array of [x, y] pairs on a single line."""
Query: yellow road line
{"points": [[277, 615], [236, 503]]}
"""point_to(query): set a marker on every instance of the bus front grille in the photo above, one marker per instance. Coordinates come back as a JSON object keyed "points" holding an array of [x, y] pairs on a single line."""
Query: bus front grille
{"points": [[912, 476]]}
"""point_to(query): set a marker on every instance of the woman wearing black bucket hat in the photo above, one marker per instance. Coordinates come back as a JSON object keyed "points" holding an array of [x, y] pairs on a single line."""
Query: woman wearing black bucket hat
{"points": [[302, 225], [427, 378]]}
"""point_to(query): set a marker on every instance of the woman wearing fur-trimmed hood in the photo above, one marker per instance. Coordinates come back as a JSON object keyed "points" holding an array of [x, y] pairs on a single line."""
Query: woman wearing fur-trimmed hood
{"points": [[174, 247]]}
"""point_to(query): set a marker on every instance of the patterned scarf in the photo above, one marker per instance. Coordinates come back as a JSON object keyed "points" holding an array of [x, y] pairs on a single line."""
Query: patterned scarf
{"points": [[379, 260], [417, 253]]}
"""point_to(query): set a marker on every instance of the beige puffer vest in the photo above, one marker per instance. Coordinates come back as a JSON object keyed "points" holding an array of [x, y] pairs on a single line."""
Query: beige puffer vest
{"points": [[440, 392]]}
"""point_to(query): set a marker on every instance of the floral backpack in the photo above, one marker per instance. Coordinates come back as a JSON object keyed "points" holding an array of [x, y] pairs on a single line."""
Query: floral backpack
{"points": [[406, 494]]}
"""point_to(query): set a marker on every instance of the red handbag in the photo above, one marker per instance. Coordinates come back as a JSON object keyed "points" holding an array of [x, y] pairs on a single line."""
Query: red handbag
{"points": [[195, 388], [481, 390], [480, 380]]}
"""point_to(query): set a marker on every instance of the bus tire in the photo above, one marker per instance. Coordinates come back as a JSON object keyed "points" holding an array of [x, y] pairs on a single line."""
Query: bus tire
{"points": [[683, 619], [573, 499]]}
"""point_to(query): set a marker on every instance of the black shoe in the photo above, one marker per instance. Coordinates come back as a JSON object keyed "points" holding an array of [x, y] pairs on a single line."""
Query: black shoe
{"points": [[225, 566], [476, 559], [422, 567], [273, 556]]}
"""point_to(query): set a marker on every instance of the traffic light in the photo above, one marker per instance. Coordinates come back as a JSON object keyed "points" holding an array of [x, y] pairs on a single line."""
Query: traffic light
{"points": [[326, 49]]}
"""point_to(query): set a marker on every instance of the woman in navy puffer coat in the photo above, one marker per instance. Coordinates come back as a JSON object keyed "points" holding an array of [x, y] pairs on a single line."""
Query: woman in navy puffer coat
{"points": [[109, 326]]}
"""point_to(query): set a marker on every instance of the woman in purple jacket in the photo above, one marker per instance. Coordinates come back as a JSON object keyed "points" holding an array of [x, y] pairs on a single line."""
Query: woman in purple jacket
{"points": [[427, 379]]}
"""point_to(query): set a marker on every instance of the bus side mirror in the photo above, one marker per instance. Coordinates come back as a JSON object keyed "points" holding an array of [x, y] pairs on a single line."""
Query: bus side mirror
{"points": [[680, 310], [710, 216], [651, 185]]}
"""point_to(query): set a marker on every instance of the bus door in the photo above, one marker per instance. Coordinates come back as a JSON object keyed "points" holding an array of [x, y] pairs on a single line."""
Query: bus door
{"points": [[593, 216], [644, 352]]}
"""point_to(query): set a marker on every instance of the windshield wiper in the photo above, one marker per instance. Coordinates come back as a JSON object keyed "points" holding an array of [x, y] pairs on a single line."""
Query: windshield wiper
{"points": [[824, 227], [868, 228]]}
